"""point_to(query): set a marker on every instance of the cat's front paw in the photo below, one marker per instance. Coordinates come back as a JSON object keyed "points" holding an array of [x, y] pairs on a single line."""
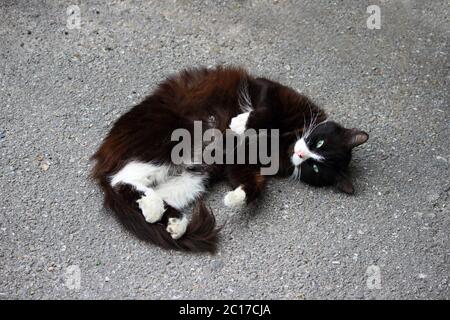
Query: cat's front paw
{"points": [[177, 227], [238, 124], [235, 198], [152, 207]]}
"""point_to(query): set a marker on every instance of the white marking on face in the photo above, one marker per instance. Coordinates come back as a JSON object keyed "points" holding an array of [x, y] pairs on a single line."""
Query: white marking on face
{"points": [[302, 153], [177, 227], [235, 198]]}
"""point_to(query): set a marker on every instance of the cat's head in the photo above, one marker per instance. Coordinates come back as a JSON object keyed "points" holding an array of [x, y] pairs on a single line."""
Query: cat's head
{"points": [[322, 154]]}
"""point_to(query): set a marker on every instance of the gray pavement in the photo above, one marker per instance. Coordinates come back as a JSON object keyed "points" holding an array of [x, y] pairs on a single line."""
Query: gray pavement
{"points": [[61, 89]]}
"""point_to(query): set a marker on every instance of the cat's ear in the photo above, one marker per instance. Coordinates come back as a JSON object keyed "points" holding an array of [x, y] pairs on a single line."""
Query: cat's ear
{"points": [[344, 184], [356, 137]]}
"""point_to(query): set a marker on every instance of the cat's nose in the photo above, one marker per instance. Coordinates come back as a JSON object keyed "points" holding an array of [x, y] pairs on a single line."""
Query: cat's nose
{"points": [[301, 154]]}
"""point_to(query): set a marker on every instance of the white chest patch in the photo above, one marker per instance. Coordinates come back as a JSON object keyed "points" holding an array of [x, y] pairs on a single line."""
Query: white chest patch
{"points": [[140, 175], [180, 191], [155, 180]]}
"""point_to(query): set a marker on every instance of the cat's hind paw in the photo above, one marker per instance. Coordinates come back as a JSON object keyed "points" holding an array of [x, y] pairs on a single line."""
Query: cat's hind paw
{"points": [[235, 198], [177, 227], [152, 207], [238, 124]]}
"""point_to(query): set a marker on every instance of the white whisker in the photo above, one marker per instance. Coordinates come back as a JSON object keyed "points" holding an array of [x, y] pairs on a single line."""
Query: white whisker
{"points": [[296, 173], [244, 101]]}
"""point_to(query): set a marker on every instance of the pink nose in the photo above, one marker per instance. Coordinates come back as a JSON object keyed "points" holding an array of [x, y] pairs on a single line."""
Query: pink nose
{"points": [[301, 154]]}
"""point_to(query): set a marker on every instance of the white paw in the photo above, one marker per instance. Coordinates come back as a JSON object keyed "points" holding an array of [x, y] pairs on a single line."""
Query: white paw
{"points": [[235, 198], [152, 207], [177, 227], [238, 124]]}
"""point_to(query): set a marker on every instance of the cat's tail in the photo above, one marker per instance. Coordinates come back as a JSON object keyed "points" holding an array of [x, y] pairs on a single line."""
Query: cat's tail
{"points": [[201, 233]]}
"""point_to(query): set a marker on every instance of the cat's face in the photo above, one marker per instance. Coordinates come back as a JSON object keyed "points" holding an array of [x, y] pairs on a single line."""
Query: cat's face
{"points": [[322, 155]]}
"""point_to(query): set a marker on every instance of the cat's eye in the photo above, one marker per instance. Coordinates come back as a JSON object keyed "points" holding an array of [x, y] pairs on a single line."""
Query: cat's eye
{"points": [[315, 168], [319, 144]]}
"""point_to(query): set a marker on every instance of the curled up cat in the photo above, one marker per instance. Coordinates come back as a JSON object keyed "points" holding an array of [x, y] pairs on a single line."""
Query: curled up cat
{"points": [[149, 192]]}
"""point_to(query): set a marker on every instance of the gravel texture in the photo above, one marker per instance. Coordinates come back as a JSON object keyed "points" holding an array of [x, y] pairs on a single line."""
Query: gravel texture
{"points": [[61, 89]]}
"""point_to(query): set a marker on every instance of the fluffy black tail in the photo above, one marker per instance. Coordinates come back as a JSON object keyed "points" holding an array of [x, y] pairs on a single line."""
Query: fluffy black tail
{"points": [[201, 233]]}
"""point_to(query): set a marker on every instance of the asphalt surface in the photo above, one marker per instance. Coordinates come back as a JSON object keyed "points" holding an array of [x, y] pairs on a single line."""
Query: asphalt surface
{"points": [[61, 89]]}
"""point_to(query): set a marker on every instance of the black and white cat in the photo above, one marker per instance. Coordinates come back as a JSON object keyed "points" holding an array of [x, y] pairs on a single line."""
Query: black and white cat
{"points": [[148, 192]]}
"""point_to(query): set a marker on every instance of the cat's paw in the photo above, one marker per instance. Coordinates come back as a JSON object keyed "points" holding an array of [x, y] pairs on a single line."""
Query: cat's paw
{"points": [[177, 227], [152, 207], [238, 124], [235, 198]]}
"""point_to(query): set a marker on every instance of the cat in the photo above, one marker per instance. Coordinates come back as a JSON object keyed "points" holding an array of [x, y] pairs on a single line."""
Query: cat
{"points": [[148, 192]]}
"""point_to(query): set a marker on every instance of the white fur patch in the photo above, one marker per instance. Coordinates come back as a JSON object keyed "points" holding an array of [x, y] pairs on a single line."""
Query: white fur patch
{"points": [[140, 175], [180, 191], [158, 186], [152, 207], [235, 198], [177, 227], [238, 124]]}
